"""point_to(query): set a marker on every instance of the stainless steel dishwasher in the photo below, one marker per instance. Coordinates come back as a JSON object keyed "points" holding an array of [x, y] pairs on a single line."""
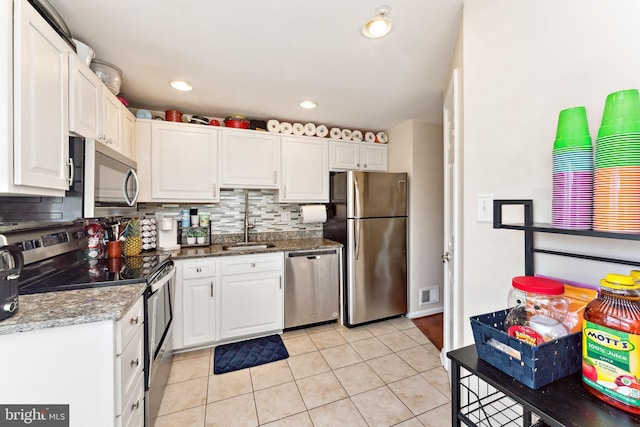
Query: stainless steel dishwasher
{"points": [[312, 287]]}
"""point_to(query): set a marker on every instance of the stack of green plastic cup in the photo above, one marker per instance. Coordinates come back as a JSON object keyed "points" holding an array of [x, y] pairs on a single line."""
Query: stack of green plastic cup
{"points": [[617, 165], [572, 202]]}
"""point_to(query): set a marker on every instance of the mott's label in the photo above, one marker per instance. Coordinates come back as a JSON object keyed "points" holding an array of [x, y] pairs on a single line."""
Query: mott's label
{"points": [[611, 362]]}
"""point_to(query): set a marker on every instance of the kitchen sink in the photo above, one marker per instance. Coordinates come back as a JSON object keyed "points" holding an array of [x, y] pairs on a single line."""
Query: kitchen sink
{"points": [[248, 246]]}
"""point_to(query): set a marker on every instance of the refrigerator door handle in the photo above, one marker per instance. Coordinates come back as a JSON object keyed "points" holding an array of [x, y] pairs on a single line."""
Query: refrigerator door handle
{"points": [[356, 195], [357, 239]]}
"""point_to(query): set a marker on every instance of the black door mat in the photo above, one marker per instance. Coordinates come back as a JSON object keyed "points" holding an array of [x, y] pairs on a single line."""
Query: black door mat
{"points": [[245, 354]]}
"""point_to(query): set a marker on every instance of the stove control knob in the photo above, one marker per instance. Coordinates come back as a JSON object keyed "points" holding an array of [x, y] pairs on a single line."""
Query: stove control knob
{"points": [[10, 307]]}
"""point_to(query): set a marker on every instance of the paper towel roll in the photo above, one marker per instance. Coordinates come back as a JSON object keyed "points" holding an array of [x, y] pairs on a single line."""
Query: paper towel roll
{"points": [[335, 133], [356, 135], [322, 131], [346, 134], [382, 138], [370, 137], [309, 129], [313, 213], [273, 125], [298, 129], [286, 128]]}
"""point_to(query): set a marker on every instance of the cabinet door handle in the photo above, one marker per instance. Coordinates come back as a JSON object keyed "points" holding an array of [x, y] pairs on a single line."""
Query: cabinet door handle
{"points": [[135, 363], [365, 165], [280, 282], [71, 171], [284, 191], [214, 189], [135, 406], [253, 265], [211, 289], [198, 270], [275, 177], [134, 320]]}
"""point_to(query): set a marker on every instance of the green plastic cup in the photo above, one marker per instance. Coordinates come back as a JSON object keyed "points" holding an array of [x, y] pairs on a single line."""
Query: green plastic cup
{"points": [[572, 123], [621, 113]]}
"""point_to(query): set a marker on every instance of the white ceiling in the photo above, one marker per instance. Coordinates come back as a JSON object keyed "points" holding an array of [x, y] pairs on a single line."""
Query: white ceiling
{"points": [[260, 58]]}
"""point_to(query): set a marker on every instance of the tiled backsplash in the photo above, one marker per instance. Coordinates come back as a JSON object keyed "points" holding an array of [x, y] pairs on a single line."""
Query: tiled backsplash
{"points": [[227, 216]]}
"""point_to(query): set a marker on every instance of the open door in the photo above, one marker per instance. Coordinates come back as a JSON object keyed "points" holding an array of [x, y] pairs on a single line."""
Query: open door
{"points": [[451, 255]]}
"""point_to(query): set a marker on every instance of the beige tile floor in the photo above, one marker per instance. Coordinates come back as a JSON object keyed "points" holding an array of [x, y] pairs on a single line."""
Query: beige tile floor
{"points": [[383, 374]]}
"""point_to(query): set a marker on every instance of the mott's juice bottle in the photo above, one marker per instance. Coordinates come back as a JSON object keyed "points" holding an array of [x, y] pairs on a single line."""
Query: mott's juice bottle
{"points": [[611, 343]]}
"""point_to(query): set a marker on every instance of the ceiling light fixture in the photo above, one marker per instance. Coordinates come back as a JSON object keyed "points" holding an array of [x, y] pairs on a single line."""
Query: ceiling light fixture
{"points": [[181, 85], [308, 104], [379, 25]]}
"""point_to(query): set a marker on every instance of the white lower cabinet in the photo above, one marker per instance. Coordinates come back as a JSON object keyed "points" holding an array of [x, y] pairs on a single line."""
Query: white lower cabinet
{"points": [[96, 368], [222, 298], [195, 302], [251, 295]]}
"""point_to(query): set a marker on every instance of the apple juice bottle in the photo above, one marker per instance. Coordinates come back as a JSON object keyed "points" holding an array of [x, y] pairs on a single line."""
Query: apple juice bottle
{"points": [[611, 342]]}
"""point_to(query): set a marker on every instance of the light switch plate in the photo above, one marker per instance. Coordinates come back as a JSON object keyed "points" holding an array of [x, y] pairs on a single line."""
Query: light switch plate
{"points": [[485, 207]]}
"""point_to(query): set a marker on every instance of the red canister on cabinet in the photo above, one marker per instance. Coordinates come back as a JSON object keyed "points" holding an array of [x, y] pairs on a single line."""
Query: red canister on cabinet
{"points": [[611, 343]]}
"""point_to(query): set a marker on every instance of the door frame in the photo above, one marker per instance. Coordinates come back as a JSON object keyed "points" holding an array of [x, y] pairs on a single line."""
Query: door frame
{"points": [[452, 242]]}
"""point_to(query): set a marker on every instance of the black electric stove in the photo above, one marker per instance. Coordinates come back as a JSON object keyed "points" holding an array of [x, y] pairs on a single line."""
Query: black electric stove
{"points": [[56, 260]]}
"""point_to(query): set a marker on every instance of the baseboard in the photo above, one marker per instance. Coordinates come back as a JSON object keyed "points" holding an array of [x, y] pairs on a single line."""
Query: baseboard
{"points": [[425, 312]]}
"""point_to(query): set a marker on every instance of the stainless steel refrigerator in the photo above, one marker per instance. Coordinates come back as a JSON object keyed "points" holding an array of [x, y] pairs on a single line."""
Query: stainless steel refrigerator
{"points": [[367, 213]]}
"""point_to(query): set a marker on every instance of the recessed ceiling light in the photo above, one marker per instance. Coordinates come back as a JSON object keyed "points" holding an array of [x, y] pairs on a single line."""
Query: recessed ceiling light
{"points": [[181, 85], [379, 25], [308, 104]]}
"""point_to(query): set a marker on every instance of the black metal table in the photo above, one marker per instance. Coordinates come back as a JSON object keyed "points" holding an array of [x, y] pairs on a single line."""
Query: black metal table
{"points": [[482, 395]]}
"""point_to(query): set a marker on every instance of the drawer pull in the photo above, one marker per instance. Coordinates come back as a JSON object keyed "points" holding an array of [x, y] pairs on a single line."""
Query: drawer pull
{"points": [[134, 320], [135, 363], [211, 289], [198, 270], [135, 406], [253, 265]]}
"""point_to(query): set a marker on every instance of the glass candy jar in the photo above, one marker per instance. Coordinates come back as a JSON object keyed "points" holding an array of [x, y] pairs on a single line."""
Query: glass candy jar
{"points": [[537, 307]]}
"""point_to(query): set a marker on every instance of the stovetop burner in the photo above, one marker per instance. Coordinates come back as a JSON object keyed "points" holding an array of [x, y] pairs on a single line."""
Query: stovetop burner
{"points": [[55, 259], [74, 271]]}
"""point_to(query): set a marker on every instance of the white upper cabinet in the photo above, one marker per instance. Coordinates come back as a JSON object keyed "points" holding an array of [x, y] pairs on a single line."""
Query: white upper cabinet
{"points": [[41, 163], [305, 170], [184, 162], [111, 130], [128, 133], [249, 159], [85, 90], [345, 155], [373, 157]]}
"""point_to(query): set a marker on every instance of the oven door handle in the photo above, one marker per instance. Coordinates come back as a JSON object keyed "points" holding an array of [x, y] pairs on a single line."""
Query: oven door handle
{"points": [[157, 284]]}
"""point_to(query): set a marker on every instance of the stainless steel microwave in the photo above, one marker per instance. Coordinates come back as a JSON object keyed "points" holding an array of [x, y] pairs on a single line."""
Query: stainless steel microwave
{"points": [[111, 185]]}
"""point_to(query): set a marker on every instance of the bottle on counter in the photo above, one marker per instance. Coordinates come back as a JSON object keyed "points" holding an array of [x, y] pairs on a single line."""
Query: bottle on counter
{"points": [[611, 342], [185, 221]]}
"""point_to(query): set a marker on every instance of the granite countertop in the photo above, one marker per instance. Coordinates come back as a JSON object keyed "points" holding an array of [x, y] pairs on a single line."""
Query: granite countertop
{"points": [[279, 246], [55, 309]]}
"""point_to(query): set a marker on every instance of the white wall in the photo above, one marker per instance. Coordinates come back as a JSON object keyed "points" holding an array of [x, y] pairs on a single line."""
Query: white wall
{"points": [[524, 61], [415, 147]]}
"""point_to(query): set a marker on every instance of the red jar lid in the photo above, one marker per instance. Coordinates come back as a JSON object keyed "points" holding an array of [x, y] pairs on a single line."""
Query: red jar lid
{"points": [[539, 285]]}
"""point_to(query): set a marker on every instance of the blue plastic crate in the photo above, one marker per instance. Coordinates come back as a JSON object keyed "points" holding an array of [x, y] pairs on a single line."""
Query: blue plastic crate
{"points": [[538, 365]]}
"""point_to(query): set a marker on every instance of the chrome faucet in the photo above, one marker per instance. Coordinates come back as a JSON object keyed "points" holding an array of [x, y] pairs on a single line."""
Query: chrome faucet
{"points": [[246, 216]]}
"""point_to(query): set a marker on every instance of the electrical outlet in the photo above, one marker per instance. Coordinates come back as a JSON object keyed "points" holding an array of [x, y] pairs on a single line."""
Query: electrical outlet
{"points": [[485, 207], [285, 216]]}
